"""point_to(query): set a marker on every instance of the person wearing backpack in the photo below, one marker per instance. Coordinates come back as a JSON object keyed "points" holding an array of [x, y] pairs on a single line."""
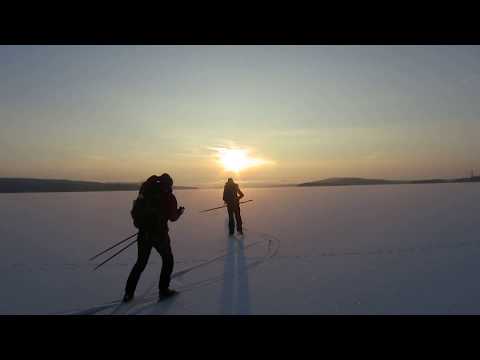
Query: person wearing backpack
{"points": [[153, 208], [231, 196]]}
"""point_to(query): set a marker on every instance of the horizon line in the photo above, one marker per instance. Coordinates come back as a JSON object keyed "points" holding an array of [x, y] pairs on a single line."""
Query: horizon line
{"points": [[258, 183]]}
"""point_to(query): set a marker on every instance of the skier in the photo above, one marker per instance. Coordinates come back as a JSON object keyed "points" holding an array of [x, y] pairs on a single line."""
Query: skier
{"points": [[231, 196], [154, 206]]}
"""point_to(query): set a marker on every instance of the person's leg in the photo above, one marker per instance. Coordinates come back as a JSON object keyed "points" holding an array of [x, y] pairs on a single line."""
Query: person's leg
{"points": [[144, 245], [238, 218], [162, 245], [231, 221]]}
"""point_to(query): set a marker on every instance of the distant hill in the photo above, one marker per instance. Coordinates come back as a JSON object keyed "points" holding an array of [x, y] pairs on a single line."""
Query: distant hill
{"points": [[470, 179], [23, 185], [361, 181]]}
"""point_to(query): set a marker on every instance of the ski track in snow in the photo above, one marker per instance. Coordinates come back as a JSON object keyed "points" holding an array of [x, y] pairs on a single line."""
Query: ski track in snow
{"points": [[149, 299], [332, 253], [200, 261]]}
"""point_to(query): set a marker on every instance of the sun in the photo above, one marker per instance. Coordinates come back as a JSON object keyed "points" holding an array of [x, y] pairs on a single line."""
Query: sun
{"points": [[236, 160]]}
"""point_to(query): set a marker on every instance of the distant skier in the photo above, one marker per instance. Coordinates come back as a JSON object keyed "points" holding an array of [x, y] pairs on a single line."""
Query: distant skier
{"points": [[154, 206], [231, 196]]}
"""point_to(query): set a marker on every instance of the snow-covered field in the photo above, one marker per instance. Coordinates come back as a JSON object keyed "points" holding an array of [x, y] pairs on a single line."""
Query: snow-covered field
{"points": [[401, 249]]}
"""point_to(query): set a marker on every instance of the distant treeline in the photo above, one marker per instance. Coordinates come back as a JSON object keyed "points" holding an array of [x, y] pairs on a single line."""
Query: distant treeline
{"points": [[361, 181], [27, 185], [22, 185]]}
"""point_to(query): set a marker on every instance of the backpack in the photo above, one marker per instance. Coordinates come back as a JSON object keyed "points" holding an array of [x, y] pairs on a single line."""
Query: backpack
{"points": [[143, 214], [230, 193]]}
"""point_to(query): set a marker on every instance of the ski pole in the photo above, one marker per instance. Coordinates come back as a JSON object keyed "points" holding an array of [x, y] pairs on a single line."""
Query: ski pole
{"points": [[220, 207], [118, 252], [111, 247]]}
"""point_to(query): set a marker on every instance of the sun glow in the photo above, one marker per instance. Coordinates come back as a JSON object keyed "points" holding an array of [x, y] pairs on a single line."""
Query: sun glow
{"points": [[237, 159]]}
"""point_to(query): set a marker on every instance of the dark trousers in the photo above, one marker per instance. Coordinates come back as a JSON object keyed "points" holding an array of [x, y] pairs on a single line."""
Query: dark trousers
{"points": [[161, 243], [234, 210]]}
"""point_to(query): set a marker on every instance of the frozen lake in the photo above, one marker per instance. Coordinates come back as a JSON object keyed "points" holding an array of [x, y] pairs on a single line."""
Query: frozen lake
{"points": [[389, 249]]}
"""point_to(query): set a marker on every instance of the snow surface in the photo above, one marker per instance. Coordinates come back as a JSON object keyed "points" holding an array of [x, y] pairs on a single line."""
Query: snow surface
{"points": [[389, 249]]}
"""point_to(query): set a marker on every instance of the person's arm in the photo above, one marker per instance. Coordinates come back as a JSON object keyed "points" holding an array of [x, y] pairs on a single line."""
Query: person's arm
{"points": [[225, 194], [174, 213], [240, 193]]}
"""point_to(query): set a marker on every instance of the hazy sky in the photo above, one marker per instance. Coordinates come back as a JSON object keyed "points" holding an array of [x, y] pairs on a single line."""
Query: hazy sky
{"points": [[122, 113]]}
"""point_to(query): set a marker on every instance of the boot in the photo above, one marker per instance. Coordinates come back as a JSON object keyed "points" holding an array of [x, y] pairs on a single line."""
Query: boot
{"points": [[127, 298], [163, 294]]}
